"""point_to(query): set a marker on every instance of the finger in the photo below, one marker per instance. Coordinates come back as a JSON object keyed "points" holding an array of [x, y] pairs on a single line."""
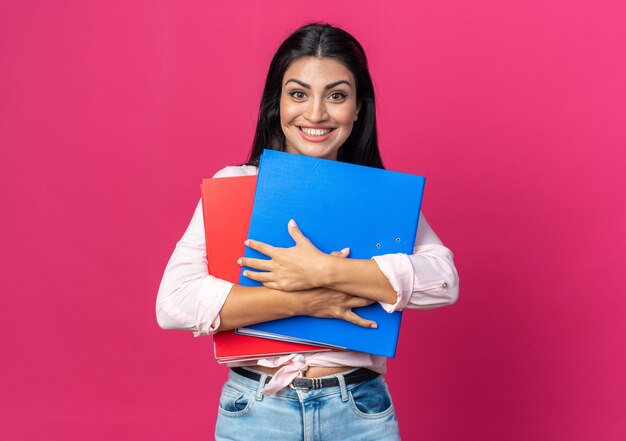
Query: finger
{"points": [[260, 264], [351, 317], [271, 285], [258, 276], [343, 253], [357, 302], [261, 247], [295, 233]]}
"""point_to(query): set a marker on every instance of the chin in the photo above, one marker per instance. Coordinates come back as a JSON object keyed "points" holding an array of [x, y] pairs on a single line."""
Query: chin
{"points": [[315, 153]]}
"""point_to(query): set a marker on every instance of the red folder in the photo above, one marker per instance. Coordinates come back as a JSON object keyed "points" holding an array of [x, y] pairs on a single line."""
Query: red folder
{"points": [[227, 208]]}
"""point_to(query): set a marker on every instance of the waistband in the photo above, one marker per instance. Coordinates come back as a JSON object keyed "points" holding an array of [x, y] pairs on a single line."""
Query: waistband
{"points": [[306, 384]]}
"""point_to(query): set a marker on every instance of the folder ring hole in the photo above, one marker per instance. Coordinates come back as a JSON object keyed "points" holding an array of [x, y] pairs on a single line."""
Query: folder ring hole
{"points": [[397, 239], [377, 245]]}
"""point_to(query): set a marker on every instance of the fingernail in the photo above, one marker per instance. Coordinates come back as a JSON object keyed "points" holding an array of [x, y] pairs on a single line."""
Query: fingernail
{"points": [[246, 242], [245, 273], [345, 250], [374, 326], [239, 261], [292, 223]]}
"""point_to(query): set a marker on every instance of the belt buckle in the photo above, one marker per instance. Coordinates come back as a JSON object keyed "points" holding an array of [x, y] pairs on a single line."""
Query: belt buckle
{"points": [[303, 389]]}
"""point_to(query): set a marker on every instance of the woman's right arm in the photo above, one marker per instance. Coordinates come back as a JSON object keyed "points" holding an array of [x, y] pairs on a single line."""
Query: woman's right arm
{"points": [[190, 298]]}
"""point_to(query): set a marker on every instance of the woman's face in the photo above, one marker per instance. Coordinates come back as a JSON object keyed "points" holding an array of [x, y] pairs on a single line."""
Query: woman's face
{"points": [[318, 106]]}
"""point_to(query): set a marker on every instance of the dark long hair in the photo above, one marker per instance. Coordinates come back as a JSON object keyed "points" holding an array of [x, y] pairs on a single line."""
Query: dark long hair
{"points": [[320, 40]]}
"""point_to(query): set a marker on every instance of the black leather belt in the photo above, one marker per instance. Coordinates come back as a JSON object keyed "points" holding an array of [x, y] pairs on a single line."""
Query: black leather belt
{"points": [[303, 383]]}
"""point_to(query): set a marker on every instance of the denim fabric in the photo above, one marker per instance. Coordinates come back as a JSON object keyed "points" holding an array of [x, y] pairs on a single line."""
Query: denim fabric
{"points": [[362, 411]]}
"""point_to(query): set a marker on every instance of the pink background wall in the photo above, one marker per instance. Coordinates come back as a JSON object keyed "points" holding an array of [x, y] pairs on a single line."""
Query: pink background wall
{"points": [[111, 113]]}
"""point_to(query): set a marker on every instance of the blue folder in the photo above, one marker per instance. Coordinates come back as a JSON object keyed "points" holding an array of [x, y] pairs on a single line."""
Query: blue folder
{"points": [[336, 205]]}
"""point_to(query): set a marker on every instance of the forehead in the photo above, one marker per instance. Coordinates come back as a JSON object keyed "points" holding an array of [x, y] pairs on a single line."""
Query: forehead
{"points": [[317, 71]]}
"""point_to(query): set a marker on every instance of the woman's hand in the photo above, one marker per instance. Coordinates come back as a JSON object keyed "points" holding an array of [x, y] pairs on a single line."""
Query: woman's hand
{"points": [[328, 303], [289, 269]]}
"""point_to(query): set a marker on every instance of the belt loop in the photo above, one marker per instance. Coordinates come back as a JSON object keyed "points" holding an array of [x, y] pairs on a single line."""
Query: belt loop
{"points": [[342, 386], [261, 385]]}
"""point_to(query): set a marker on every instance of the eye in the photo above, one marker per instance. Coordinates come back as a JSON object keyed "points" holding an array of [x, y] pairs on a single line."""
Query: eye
{"points": [[338, 96], [297, 94]]}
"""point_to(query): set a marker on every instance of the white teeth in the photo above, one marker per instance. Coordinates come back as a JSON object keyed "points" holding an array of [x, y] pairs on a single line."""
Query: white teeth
{"points": [[315, 132]]}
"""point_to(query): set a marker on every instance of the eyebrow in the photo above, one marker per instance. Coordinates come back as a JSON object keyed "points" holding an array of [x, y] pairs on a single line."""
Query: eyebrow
{"points": [[328, 86]]}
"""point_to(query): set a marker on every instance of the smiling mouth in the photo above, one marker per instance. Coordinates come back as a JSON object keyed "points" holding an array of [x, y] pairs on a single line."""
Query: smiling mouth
{"points": [[315, 132]]}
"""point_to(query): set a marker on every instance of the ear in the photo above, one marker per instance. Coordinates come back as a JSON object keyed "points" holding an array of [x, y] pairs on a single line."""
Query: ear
{"points": [[358, 107]]}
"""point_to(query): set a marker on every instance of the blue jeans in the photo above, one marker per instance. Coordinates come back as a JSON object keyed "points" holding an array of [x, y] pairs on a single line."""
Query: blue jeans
{"points": [[360, 411]]}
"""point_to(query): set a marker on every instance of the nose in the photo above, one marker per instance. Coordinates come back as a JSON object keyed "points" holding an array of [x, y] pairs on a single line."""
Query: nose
{"points": [[316, 110]]}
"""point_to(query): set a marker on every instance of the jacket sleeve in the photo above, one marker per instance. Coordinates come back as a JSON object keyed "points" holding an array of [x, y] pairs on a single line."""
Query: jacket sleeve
{"points": [[425, 279], [190, 298]]}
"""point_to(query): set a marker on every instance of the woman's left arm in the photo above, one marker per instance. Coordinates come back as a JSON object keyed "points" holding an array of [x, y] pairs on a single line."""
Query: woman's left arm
{"points": [[425, 279]]}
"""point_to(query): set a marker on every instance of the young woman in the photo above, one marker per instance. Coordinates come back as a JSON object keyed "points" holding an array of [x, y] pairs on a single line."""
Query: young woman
{"points": [[318, 101]]}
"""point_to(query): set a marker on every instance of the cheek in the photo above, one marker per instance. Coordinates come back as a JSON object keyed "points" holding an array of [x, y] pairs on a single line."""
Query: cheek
{"points": [[345, 117], [348, 123], [287, 111]]}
